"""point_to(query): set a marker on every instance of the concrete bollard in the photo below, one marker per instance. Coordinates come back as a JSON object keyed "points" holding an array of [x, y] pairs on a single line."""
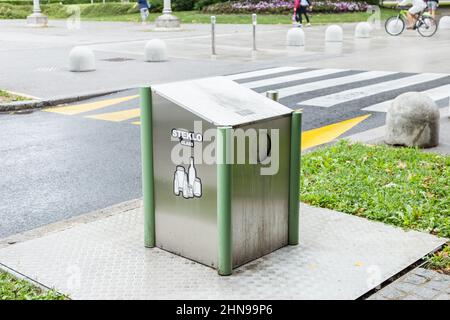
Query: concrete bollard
{"points": [[254, 22], [362, 30], [412, 120], [81, 59], [272, 94], [155, 50], [334, 33], [444, 23], [295, 37], [213, 35]]}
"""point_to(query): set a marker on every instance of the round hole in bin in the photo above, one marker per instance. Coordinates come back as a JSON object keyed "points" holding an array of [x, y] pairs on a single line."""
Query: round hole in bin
{"points": [[262, 147]]}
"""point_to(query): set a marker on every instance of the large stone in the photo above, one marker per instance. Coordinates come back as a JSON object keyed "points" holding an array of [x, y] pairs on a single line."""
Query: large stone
{"points": [[444, 23], [295, 37], [413, 120], [81, 59], [334, 33], [155, 50], [167, 21], [362, 30], [37, 20]]}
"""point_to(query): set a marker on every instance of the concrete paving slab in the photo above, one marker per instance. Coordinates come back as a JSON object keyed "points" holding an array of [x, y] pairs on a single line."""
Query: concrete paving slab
{"points": [[419, 284], [339, 257]]}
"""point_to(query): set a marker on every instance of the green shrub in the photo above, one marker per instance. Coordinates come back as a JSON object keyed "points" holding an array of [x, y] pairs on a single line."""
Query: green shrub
{"points": [[183, 5], [200, 4], [9, 11], [157, 5], [59, 11], [56, 10]]}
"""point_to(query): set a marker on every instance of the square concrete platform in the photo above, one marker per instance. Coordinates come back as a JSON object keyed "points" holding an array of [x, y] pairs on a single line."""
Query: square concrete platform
{"points": [[339, 257]]}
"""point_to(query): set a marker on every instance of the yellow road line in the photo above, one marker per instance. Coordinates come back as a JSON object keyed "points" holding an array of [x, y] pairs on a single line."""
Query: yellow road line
{"points": [[118, 115], [80, 108], [318, 136]]}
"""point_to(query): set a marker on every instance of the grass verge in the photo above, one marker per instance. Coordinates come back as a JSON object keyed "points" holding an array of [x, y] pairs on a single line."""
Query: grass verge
{"points": [[6, 97], [400, 186], [128, 12], [12, 288]]}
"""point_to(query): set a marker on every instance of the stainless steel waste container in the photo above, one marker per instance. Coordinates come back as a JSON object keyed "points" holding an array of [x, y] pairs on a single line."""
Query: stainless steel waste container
{"points": [[221, 170]]}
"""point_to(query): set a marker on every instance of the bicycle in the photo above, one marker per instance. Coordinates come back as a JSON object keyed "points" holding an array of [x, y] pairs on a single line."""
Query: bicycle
{"points": [[425, 25]]}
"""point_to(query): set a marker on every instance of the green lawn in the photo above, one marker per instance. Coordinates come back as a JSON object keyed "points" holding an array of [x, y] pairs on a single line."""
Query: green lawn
{"points": [[197, 17], [128, 12], [6, 97], [400, 186], [12, 288]]}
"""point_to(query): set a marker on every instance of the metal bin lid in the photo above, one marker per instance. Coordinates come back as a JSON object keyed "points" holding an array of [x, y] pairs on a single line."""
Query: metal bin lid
{"points": [[221, 101]]}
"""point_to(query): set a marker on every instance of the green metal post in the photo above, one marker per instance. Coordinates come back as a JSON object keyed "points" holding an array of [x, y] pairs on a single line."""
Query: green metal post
{"points": [[225, 263], [294, 176], [147, 165]]}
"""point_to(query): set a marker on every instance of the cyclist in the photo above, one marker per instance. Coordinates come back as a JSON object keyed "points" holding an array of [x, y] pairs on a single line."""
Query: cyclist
{"points": [[417, 7], [432, 6]]}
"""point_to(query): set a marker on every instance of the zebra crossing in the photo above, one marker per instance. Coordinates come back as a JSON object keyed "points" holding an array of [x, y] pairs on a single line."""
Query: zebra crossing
{"points": [[328, 88], [318, 91], [334, 101]]}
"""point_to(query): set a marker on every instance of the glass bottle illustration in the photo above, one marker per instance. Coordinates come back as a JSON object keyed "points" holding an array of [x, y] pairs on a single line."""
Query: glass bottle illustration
{"points": [[186, 182]]}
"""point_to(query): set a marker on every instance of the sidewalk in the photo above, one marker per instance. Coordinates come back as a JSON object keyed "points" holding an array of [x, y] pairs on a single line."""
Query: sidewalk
{"points": [[419, 284], [102, 256]]}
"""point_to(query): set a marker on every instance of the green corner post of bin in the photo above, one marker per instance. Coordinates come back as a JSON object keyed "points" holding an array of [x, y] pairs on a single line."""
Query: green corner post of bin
{"points": [[224, 201], [147, 165], [294, 177]]}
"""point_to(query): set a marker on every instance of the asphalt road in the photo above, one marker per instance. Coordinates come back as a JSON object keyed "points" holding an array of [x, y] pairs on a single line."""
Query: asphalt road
{"points": [[56, 166]]}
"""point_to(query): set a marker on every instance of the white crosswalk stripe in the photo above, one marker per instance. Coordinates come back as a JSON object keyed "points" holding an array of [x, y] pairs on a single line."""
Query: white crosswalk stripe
{"points": [[291, 77], [307, 87], [436, 94], [259, 73], [366, 91]]}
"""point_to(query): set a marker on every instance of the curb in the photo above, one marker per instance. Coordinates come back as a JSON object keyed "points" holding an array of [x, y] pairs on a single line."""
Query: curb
{"points": [[376, 135], [70, 222], [39, 104]]}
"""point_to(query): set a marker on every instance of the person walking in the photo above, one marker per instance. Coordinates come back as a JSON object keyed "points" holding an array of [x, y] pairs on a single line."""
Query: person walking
{"points": [[300, 8], [144, 9]]}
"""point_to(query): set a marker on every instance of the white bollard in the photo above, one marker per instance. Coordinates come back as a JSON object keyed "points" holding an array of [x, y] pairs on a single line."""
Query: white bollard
{"points": [[81, 59], [155, 50], [295, 37], [444, 23], [362, 30], [334, 33]]}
